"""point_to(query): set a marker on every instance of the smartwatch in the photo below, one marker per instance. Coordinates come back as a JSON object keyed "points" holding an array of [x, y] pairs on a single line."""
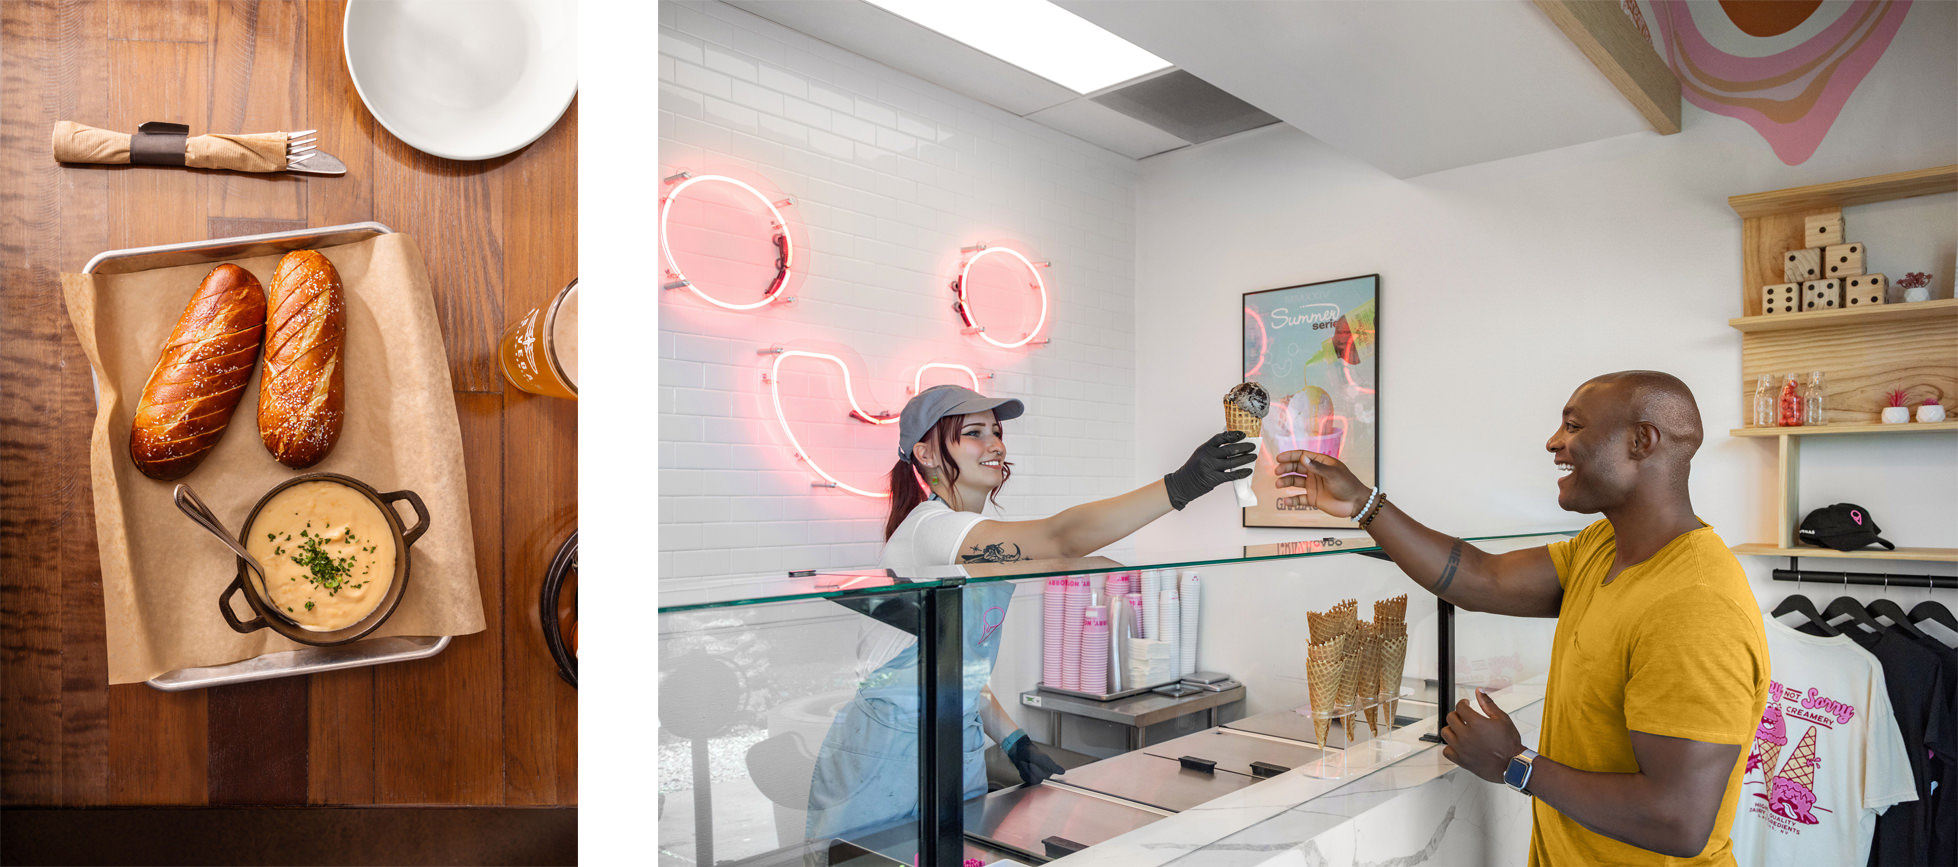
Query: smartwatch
{"points": [[1517, 776]]}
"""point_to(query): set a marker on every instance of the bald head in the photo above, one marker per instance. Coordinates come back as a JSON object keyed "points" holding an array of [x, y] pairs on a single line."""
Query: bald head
{"points": [[1661, 400]]}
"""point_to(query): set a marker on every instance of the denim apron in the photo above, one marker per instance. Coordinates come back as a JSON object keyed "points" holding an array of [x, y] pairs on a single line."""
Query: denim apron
{"points": [[867, 771]]}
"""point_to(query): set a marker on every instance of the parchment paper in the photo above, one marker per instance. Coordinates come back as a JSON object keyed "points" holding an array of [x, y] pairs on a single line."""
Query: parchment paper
{"points": [[161, 574]]}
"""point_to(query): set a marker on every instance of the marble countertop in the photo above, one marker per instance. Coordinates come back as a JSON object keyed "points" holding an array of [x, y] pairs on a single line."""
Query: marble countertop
{"points": [[1404, 812]]}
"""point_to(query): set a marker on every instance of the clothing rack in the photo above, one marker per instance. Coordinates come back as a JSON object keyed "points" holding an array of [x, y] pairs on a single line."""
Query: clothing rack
{"points": [[1884, 579]]}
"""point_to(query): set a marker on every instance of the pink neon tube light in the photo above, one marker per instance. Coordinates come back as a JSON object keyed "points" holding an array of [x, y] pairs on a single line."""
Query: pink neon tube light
{"points": [[784, 248], [965, 302], [856, 409]]}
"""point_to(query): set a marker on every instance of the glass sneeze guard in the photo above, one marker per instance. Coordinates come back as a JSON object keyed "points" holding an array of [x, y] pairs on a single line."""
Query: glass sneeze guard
{"points": [[693, 594]]}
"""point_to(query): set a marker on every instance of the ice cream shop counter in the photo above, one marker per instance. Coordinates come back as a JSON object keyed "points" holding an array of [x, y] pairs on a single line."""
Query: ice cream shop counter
{"points": [[1243, 707]]}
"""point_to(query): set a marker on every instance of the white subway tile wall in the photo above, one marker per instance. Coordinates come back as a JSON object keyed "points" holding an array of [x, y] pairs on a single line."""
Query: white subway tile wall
{"points": [[891, 176]]}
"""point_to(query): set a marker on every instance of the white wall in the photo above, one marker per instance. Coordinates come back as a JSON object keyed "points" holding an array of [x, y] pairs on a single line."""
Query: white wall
{"points": [[1505, 285], [891, 176]]}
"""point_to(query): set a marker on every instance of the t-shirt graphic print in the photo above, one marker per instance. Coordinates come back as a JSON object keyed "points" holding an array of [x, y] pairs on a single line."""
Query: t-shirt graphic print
{"points": [[1827, 757]]}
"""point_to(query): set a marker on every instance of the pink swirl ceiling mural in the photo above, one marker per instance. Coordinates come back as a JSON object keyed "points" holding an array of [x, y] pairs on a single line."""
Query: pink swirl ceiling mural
{"points": [[1758, 67]]}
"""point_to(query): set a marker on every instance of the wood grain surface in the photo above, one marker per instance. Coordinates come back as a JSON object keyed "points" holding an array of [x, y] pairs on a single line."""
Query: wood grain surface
{"points": [[485, 723]]}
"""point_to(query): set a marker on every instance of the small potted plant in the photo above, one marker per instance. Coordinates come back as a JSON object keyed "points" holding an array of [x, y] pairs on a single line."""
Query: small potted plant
{"points": [[1898, 412], [1930, 411], [1916, 286]]}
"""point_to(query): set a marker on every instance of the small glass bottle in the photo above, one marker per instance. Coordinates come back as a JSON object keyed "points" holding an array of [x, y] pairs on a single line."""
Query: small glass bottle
{"points": [[1789, 406], [1764, 401], [1812, 401]]}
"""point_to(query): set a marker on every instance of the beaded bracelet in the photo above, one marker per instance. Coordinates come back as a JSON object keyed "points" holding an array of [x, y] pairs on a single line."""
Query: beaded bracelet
{"points": [[1366, 508], [1379, 501]]}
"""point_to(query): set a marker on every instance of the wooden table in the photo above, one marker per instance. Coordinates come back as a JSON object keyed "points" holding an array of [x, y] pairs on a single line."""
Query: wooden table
{"points": [[487, 722]]}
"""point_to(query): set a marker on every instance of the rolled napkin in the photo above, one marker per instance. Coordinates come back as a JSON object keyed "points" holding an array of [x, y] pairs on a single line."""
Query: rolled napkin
{"points": [[252, 152]]}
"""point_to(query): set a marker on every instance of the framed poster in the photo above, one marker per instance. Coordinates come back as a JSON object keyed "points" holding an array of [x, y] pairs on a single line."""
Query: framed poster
{"points": [[1316, 349]]}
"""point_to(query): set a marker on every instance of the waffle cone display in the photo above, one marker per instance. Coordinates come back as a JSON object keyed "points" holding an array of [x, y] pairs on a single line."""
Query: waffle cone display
{"points": [[1239, 420], [1368, 663], [1323, 627], [1390, 609], [1323, 665], [1801, 765], [1393, 660]]}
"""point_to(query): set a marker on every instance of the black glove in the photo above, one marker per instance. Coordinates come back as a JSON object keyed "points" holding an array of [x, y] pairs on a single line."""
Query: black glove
{"points": [[1033, 764], [1209, 466]]}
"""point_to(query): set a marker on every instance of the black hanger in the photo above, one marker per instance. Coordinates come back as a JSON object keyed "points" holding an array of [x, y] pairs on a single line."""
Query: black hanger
{"points": [[1854, 610], [1891, 611], [1935, 612], [1796, 603]]}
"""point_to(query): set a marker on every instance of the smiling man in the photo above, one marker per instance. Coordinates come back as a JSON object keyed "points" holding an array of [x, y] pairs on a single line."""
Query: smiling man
{"points": [[1659, 669]]}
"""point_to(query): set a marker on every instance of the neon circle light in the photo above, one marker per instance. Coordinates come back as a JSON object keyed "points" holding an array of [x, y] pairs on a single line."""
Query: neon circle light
{"points": [[856, 409], [965, 302], [785, 258]]}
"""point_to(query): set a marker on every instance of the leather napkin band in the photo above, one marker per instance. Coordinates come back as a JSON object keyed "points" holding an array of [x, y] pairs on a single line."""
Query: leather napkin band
{"points": [[169, 144]]}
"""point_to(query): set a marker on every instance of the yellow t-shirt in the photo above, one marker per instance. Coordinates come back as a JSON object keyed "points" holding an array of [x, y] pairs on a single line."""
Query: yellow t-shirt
{"points": [[1673, 646]]}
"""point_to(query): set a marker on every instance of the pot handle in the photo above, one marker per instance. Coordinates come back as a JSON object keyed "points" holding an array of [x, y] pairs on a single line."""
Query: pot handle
{"points": [[409, 536], [224, 606]]}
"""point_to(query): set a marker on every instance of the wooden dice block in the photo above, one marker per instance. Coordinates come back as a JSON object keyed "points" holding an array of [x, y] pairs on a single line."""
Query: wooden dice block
{"points": [[1842, 260], [1863, 290], [1821, 295], [1781, 298], [1823, 230], [1802, 266]]}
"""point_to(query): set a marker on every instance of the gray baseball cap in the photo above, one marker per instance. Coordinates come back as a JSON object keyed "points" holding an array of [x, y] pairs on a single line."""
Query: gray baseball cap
{"points": [[939, 401]]}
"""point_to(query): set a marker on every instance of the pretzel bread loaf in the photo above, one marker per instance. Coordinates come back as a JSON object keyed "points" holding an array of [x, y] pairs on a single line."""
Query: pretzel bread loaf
{"points": [[300, 399], [200, 375]]}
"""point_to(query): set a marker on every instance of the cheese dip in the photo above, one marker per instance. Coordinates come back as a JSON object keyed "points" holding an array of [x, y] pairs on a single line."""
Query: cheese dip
{"points": [[328, 554]]}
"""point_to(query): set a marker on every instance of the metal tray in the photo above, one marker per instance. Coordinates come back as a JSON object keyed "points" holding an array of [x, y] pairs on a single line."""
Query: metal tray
{"points": [[285, 663]]}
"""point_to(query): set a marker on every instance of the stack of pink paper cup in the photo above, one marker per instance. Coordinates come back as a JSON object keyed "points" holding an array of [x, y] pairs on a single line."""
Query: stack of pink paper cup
{"points": [[1094, 650], [1079, 589], [1053, 617], [1115, 585]]}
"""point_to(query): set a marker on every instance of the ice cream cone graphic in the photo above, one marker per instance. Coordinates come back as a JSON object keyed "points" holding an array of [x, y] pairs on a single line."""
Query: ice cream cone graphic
{"points": [[1791, 794], [1769, 738]]}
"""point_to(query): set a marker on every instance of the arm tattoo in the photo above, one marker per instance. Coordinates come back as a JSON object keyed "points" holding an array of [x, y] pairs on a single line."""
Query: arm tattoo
{"points": [[1448, 571], [991, 554]]}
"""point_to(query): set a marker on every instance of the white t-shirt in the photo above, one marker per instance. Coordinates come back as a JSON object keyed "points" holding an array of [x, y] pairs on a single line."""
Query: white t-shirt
{"points": [[929, 536], [1826, 760]]}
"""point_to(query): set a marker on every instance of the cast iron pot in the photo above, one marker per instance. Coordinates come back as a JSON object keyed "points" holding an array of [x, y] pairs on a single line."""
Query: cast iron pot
{"points": [[270, 616]]}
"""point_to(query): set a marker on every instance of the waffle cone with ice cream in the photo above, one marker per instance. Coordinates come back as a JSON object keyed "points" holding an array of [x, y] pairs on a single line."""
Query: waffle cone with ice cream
{"points": [[1245, 407]]}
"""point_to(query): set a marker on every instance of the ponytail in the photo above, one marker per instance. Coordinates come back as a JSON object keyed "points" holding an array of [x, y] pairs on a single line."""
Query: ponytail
{"points": [[907, 491]]}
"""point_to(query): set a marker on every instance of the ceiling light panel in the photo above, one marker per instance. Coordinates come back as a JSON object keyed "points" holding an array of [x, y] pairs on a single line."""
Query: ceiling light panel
{"points": [[1036, 36]]}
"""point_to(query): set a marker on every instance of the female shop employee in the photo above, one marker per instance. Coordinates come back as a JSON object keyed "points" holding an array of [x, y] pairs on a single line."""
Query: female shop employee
{"points": [[951, 462]]}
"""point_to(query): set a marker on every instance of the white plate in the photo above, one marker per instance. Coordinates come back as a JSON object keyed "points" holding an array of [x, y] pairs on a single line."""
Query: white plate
{"points": [[464, 79]]}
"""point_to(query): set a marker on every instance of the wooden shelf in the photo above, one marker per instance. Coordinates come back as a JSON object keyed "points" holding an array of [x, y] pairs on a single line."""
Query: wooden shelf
{"points": [[1861, 191], [1921, 555], [1946, 308], [1826, 429]]}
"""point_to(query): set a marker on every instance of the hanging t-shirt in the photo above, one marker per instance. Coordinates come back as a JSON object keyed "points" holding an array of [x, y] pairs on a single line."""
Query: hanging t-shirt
{"points": [[1671, 647], [1942, 759], [1827, 758], [1916, 687]]}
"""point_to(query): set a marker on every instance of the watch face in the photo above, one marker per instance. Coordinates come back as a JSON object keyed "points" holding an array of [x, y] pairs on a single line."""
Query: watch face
{"points": [[1516, 773]]}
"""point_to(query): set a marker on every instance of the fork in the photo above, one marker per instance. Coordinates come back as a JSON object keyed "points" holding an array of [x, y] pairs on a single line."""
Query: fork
{"points": [[298, 150]]}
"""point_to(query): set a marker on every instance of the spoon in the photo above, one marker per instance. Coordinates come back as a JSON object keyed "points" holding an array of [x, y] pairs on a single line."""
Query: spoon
{"points": [[201, 515]]}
